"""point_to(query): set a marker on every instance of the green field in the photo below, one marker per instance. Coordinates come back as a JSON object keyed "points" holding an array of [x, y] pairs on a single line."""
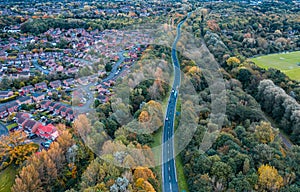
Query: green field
{"points": [[7, 177], [285, 62]]}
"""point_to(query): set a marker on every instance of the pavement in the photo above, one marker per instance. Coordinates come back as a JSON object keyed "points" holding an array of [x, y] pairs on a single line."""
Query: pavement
{"points": [[3, 129], [169, 177]]}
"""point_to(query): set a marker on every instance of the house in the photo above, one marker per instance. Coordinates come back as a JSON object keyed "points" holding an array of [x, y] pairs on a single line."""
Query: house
{"points": [[24, 74], [45, 104], [42, 85], [3, 112], [47, 132], [69, 82], [37, 97], [27, 89], [21, 118], [6, 94], [24, 100], [52, 106], [20, 114], [64, 111], [12, 107], [55, 84], [28, 125], [70, 115], [20, 122], [57, 108], [83, 80]]}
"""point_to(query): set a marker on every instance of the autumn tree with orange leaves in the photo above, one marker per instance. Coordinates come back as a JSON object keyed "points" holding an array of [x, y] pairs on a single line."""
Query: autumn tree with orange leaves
{"points": [[14, 149]]}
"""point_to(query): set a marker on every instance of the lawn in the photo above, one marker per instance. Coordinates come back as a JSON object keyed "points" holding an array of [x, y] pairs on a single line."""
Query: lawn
{"points": [[7, 177], [285, 62], [9, 127]]}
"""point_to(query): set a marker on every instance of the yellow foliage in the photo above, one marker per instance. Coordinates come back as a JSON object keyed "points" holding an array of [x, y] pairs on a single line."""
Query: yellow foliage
{"points": [[143, 172], [13, 147], [269, 179], [139, 182], [144, 116], [143, 185], [233, 61], [148, 187], [194, 69], [264, 132]]}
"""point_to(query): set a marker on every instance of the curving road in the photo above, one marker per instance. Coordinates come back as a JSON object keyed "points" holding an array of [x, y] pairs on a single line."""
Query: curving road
{"points": [[169, 177], [38, 66], [87, 106]]}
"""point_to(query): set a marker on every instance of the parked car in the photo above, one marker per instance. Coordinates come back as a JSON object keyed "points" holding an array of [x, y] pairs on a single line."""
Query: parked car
{"points": [[32, 136], [47, 143]]}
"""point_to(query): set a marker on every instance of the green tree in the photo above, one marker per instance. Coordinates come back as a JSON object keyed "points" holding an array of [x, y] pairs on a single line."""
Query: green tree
{"points": [[221, 171], [108, 67]]}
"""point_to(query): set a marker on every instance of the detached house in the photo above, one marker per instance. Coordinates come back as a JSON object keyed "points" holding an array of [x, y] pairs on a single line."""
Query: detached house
{"points": [[69, 82], [47, 132], [41, 85], [24, 100], [3, 112], [27, 89], [45, 104], [6, 94], [12, 107], [57, 108], [70, 115], [21, 118], [55, 84], [52, 106], [64, 111], [37, 97], [29, 125]]}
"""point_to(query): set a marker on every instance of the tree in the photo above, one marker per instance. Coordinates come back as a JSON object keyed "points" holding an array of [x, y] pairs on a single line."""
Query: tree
{"points": [[233, 62], [28, 180], [65, 139], [144, 116], [82, 126], [221, 170], [13, 148], [264, 132], [269, 179], [143, 172], [240, 183], [108, 67], [5, 83]]}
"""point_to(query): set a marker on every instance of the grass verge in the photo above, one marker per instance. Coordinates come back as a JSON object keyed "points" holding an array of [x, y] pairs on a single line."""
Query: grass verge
{"points": [[9, 127], [182, 184], [7, 178]]}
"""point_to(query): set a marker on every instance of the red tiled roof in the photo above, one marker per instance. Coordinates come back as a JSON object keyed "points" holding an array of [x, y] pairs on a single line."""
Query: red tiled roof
{"points": [[47, 129]]}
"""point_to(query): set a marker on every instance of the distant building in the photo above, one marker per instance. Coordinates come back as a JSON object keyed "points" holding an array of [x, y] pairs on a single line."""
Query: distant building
{"points": [[6, 94], [41, 85]]}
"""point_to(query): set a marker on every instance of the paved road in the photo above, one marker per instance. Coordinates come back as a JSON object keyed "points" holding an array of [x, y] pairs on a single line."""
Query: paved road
{"points": [[3, 129], [86, 88], [38, 66], [169, 176]]}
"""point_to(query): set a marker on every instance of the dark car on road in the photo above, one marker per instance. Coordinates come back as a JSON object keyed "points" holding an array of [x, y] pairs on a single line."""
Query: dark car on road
{"points": [[47, 143], [32, 136]]}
